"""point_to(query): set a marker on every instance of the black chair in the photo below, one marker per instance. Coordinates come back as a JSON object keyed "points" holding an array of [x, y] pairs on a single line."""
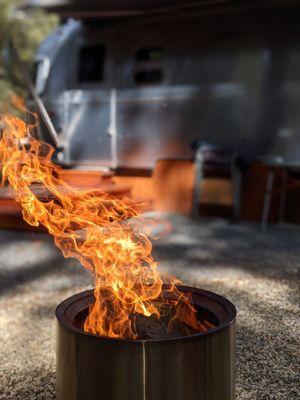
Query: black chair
{"points": [[214, 161]]}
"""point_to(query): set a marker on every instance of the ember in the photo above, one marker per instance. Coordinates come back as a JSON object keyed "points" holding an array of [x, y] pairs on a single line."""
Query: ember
{"points": [[97, 229]]}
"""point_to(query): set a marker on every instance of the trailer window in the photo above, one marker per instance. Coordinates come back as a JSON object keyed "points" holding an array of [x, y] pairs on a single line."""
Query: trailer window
{"points": [[148, 68], [91, 63], [150, 54]]}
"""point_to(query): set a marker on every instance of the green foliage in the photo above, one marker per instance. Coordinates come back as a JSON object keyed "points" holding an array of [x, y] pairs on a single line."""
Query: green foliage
{"points": [[26, 29]]}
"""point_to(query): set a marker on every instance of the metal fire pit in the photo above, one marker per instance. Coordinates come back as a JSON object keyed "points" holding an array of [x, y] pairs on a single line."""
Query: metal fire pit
{"points": [[195, 367]]}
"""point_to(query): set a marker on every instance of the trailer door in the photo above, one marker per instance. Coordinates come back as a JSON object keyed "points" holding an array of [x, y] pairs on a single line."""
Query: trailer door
{"points": [[87, 108]]}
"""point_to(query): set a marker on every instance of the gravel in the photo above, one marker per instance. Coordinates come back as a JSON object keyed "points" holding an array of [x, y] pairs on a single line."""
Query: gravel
{"points": [[258, 271]]}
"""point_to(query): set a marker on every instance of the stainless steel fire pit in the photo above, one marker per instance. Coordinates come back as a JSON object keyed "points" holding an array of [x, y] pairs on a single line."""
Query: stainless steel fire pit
{"points": [[195, 367]]}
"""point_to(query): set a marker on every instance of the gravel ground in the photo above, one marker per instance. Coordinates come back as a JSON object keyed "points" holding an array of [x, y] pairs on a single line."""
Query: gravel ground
{"points": [[258, 272]]}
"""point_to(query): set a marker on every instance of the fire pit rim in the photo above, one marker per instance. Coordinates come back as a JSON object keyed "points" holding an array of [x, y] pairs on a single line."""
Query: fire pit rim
{"points": [[228, 305]]}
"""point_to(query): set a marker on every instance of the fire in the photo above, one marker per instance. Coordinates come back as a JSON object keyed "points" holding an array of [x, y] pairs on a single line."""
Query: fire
{"points": [[93, 227]]}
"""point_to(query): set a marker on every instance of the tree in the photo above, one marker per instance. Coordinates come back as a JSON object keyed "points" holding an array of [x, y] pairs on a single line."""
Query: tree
{"points": [[25, 29]]}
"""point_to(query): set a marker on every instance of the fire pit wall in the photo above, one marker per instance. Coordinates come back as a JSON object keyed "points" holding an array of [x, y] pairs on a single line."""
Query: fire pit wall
{"points": [[196, 367]]}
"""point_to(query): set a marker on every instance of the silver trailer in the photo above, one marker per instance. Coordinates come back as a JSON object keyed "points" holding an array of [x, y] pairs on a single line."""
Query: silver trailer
{"points": [[126, 92]]}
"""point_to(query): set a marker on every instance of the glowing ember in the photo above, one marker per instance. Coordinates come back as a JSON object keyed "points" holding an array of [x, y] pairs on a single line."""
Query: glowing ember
{"points": [[97, 229]]}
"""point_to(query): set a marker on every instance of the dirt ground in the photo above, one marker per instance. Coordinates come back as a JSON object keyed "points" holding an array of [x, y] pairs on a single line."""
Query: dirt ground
{"points": [[258, 271]]}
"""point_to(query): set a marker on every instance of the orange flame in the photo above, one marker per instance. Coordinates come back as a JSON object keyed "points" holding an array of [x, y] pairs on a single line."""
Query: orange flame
{"points": [[97, 229]]}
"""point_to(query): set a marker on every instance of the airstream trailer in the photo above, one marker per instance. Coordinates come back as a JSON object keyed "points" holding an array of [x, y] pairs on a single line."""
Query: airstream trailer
{"points": [[126, 92]]}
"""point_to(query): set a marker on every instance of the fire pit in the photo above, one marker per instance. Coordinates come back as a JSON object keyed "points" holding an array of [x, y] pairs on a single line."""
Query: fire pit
{"points": [[193, 367]]}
